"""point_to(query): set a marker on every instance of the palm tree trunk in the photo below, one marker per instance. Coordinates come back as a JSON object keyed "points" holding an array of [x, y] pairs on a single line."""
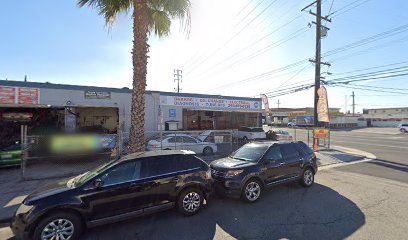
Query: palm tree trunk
{"points": [[139, 56]]}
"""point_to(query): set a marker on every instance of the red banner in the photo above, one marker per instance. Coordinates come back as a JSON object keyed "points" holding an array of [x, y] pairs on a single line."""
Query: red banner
{"points": [[28, 96], [7, 95]]}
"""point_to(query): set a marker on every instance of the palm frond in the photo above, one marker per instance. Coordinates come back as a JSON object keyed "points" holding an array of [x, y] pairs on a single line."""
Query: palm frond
{"points": [[109, 9]]}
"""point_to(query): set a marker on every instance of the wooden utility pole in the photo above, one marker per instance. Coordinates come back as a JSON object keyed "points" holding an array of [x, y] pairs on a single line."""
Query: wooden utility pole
{"points": [[317, 60], [178, 77], [354, 105]]}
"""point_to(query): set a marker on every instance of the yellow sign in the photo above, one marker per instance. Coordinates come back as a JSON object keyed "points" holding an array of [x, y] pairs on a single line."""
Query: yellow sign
{"points": [[73, 143], [321, 133]]}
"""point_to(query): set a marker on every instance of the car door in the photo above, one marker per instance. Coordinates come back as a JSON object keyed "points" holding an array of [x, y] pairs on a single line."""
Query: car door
{"points": [[117, 193], [193, 144], [160, 174], [292, 160], [272, 165]]}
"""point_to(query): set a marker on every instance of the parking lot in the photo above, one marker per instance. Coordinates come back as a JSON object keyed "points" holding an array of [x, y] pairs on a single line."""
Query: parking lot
{"points": [[340, 205]]}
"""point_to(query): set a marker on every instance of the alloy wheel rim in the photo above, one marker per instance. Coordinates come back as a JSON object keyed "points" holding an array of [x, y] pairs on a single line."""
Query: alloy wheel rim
{"points": [[207, 150], [252, 191], [59, 229], [308, 177], [191, 202]]}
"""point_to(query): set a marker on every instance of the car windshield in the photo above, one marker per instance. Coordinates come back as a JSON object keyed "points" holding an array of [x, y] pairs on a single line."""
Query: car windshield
{"points": [[250, 152], [80, 179]]}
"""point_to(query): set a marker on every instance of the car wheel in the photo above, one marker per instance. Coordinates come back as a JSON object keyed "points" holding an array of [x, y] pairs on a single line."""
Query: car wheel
{"points": [[61, 225], [190, 201], [208, 151], [307, 179], [252, 191]]}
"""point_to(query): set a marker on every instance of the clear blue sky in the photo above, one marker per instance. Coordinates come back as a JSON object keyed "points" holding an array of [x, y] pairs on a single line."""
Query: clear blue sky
{"points": [[58, 42]]}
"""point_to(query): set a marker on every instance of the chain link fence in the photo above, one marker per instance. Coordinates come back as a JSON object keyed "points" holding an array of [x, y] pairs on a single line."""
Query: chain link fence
{"points": [[208, 144], [56, 156]]}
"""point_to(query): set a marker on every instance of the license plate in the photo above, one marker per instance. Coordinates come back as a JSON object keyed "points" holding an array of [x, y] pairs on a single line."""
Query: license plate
{"points": [[6, 156]]}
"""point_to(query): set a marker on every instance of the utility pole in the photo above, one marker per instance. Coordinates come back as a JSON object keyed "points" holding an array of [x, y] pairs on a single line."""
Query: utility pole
{"points": [[354, 105], [278, 103], [317, 60], [177, 73], [345, 104]]}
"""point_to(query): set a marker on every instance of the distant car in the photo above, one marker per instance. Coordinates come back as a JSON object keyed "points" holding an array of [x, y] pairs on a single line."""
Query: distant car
{"points": [[215, 136], [11, 155], [250, 133], [282, 135], [260, 165], [182, 142], [135, 185], [291, 124], [403, 127]]}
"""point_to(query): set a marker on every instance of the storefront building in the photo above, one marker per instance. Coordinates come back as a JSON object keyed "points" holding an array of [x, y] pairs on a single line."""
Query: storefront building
{"points": [[73, 108]]}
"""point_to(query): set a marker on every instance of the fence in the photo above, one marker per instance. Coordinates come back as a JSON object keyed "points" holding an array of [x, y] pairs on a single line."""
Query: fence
{"points": [[55, 156], [311, 137], [205, 143]]}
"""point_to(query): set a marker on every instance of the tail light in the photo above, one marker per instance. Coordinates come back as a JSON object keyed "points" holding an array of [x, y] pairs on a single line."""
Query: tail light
{"points": [[208, 174]]}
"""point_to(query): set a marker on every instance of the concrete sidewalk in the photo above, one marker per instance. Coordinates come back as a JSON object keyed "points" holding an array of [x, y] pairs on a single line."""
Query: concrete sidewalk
{"points": [[13, 190]]}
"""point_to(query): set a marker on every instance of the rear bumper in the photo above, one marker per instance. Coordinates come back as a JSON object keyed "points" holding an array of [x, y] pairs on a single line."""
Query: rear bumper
{"points": [[19, 228]]}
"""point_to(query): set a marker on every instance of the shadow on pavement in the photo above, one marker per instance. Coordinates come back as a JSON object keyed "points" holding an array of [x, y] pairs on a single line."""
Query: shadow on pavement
{"points": [[288, 211], [389, 164]]}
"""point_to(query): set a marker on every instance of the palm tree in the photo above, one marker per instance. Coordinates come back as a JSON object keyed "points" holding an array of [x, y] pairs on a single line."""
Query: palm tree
{"points": [[149, 17]]}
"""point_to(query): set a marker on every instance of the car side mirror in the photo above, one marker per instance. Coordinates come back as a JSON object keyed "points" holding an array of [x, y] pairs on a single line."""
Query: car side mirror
{"points": [[98, 183]]}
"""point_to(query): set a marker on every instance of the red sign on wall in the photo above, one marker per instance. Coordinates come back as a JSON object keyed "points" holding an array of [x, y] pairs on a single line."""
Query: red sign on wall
{"points": [[7, 95], [28, 95]]}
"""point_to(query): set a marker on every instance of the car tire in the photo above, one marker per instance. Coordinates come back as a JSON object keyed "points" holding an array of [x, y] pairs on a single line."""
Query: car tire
{"points": [[208, 151], [251, 191], [307, 178], [190, 201], [61, 220]]}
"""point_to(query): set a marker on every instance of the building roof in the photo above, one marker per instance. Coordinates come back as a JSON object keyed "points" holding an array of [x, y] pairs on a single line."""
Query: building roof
{"points": [[107, 89], [390, 108]]}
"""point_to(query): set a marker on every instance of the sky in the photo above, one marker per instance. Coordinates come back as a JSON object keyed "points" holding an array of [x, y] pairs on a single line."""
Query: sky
{"points": [[230, 45]]}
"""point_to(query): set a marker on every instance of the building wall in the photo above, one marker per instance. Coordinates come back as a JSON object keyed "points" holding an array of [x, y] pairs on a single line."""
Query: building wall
{"points": [[72, 95]]}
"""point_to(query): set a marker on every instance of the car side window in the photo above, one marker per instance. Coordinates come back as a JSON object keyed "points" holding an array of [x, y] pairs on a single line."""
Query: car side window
{"points": [[274, 153], [289, 151], [124, 172], [189, 140], [159, 165], [172, 140]]}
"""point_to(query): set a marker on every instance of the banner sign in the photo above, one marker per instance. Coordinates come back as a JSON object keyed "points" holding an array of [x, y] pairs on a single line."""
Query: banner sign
{"points": [[265, 102], [7, 95], [97, 95], [323, 105], [28, 95], [321, 133], [210, 103]]}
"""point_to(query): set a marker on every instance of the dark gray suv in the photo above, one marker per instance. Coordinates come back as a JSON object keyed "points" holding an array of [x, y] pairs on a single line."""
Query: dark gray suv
{"points": [[257, 166]]}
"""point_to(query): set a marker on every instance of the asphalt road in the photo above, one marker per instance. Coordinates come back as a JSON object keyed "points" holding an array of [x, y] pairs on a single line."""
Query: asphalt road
{"points": [[390, 149], [339, 205]]}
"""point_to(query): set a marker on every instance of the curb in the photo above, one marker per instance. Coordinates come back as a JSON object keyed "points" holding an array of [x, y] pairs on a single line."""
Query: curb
{"points": [[355, 152]]}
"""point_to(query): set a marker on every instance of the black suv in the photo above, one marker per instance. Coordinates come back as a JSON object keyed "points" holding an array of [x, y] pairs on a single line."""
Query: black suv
{"points": [[256, 166], [137, 184]]}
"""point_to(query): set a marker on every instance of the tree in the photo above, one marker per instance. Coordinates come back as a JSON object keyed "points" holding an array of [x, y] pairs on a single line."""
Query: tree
{"points": [[149, 17]]}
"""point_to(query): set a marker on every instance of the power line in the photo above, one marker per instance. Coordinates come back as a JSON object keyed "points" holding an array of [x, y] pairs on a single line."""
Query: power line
{"points": [[212, 54]]}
